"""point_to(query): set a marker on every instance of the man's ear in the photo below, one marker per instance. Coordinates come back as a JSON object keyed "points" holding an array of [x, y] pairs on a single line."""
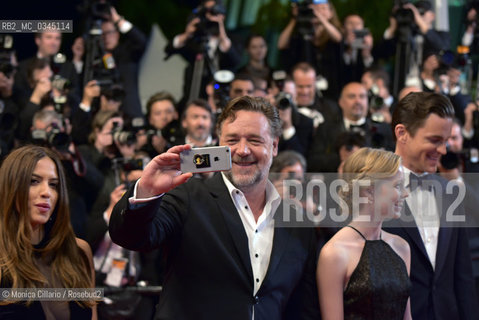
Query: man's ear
{"points": [[401, 133], [275, 146]]}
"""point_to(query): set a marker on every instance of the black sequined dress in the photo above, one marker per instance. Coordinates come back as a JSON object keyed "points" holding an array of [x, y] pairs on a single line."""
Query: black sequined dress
{"points": [[379, 286]]}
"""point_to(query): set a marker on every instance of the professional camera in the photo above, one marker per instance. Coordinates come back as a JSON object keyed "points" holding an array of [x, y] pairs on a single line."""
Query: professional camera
{"points": [[376, 103], [283, 100], [403, 16], [96, 9], [112, 91], [452, 160], [55, 138], [6, 50], [122, 136], [305, 16], [206, 27], [279, 77], [359, 35], [99, 64], [221, 86]]}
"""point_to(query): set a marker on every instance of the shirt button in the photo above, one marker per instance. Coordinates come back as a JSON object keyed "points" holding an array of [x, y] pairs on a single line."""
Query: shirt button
{"points": [[256, 231], [256, 255], [246, 207], [237, 192], [256, 300], [257, 280], [428, 240]]}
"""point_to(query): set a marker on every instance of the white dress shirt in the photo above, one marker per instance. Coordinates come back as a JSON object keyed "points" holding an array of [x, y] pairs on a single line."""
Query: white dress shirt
{"points": [[422, 203], [348, 123], [260, 233]]}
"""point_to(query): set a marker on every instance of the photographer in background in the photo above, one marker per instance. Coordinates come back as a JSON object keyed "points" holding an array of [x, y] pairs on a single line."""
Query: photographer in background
{"points": [[95, 98], [323, 156], [297, 129], [377, 81], [126, 45], [116, 268], [9, 110], [313, 35], [48, 44], [357, 49], [412, 26], [163, 125], [470, 36], [458, 160], [309, 99], [84, 180], [470, 130], [204, 39], [42, 86]]}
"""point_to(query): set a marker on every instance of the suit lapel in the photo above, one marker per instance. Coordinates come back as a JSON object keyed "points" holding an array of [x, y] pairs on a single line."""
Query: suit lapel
{"points": [[444, 235], [232, 220], [412, 230], [280, 243]]}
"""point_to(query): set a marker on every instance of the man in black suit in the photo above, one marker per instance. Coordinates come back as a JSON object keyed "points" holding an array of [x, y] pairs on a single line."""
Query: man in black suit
{"points": [[48, 44], [127, 44], [226, 258], [441, 275], [309, 99], [324, 156], [204, 39]]}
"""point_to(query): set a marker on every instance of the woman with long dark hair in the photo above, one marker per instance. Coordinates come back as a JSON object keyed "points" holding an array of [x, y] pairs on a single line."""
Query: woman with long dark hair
{"points": [[38, 248]]}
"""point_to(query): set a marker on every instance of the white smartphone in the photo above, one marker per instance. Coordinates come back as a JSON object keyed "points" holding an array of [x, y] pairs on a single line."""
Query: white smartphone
{"points": [[206, 159]]}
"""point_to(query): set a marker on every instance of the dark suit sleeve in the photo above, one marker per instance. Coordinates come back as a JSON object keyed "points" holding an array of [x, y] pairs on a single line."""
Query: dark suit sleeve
{"points": [[134, 43], [305, 295], [144, 227], [463, 280], [303, 136], [322, 156], [437, 40]]}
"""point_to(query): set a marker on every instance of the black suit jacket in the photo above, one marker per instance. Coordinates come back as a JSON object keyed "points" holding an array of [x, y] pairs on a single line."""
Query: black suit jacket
{"points": [[446, 291], [323, 155], [209, 273], [127, 57], [303, 136]]}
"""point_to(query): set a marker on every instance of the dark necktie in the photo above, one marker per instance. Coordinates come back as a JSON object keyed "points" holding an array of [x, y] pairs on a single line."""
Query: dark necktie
{"points": [[361, 129], [416, 181]]}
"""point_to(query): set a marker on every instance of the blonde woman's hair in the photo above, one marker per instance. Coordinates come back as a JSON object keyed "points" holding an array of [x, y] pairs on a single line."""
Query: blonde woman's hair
{"points": [[368, 164]]}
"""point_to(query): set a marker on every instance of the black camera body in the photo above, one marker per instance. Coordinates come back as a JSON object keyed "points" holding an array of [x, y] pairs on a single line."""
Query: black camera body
{"points": [[206, 27], [304, 19], [55, 138], [283, 100], [452, 160], [122, 136]]}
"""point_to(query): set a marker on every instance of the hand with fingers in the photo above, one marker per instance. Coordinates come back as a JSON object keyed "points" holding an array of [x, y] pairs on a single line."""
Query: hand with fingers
{"points": [[163, 173]]}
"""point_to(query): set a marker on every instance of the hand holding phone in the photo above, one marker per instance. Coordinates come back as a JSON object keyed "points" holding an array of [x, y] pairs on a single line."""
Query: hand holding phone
{"points": [[162, 173], [208, 159]]}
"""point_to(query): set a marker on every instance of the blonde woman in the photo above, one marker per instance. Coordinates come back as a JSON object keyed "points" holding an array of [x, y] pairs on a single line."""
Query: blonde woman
{"points": [[363, 271]]}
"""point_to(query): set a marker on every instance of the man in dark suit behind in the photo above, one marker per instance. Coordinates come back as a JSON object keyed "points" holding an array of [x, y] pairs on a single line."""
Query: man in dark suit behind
{"points": [[323, 155], [441, 275], [226, 258]]}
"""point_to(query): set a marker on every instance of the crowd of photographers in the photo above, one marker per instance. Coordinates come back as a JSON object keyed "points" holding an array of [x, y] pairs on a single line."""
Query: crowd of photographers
{"points": [[332, 91]]}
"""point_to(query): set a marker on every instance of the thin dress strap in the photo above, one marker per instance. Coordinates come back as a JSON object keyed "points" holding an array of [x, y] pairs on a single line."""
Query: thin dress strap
{"points": [[380, 234]]}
